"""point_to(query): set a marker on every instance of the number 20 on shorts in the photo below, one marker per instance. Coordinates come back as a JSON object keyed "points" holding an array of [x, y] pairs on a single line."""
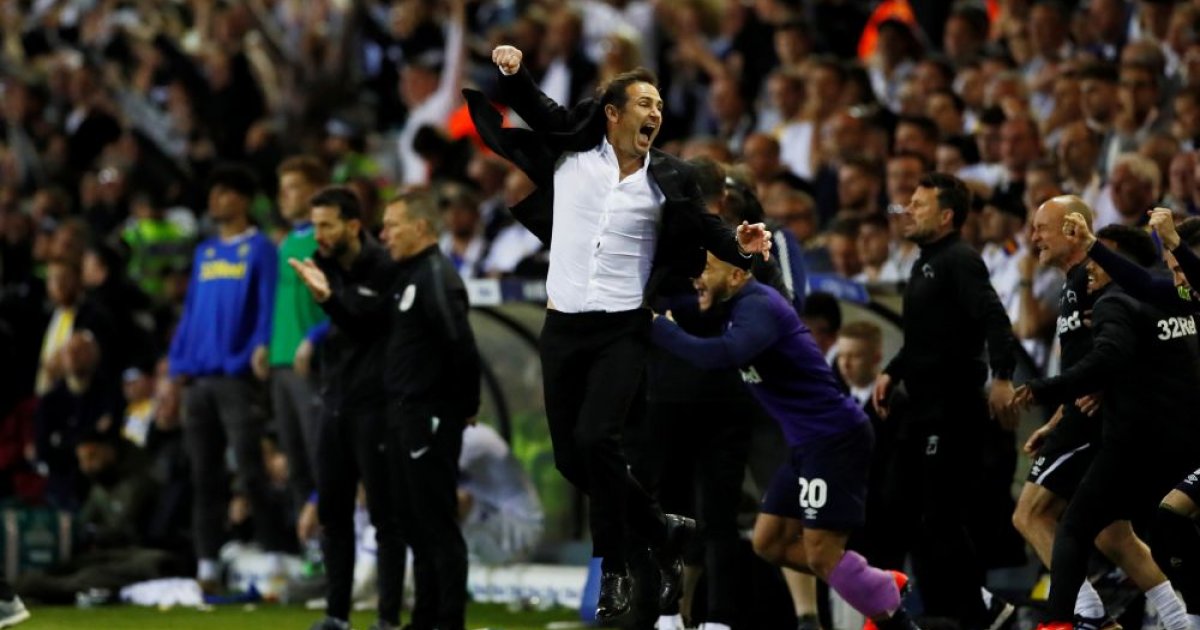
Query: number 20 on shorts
{"points": [[813, 493]]}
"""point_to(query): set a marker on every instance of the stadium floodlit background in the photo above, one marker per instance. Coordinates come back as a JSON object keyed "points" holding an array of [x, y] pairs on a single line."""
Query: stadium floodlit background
{"points": [[115, 111]]}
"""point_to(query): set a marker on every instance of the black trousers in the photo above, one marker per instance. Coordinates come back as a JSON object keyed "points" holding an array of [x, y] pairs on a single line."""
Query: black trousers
{"points": [[593, 366], [220, 411], [353, 448], [1126, 481], [692, 456], [425, 448], [936, 468]]}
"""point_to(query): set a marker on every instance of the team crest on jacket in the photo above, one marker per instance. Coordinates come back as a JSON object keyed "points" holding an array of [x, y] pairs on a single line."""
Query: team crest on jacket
{"points": [[927, 270], [407, 297]]}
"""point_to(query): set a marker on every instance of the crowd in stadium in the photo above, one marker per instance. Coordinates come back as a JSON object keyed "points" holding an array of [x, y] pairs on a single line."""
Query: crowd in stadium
{"points": [[150, 147]]}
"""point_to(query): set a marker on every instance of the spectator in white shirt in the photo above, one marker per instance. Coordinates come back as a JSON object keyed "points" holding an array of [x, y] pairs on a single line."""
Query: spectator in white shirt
{"points": [[462, 239], [1133, 187], [429, 87]]}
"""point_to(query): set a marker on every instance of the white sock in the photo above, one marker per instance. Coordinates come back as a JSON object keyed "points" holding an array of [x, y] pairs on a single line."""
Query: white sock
{"points": [[1171, 612], [708, 625], [669, 622], [207, 570], [1088, 603]]}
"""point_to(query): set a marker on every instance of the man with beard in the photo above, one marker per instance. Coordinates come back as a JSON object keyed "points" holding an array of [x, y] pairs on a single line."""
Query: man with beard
{"points": [[1149, 381], [950, 312], [350, 279], [818, 496]]}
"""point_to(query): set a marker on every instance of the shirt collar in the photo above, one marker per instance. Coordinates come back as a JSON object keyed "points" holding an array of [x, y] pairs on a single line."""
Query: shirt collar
{"points": [[238, 238], [609, 155]]}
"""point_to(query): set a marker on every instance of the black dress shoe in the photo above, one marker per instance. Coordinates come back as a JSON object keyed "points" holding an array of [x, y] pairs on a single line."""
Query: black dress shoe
{"points": [[680, 530], [616, 597]]}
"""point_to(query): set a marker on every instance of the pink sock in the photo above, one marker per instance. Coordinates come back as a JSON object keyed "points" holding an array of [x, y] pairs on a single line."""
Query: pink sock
{"points": [[868, 590]]}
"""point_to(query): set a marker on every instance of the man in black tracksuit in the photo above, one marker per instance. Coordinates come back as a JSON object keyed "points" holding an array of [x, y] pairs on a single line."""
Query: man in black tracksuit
{"points": [[950, 312], [350, 280], [1146, 359], [431, 379]]}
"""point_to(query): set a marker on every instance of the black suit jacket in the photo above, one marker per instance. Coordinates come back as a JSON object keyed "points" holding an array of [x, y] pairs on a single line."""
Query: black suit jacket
{"points": [[688, 230]]}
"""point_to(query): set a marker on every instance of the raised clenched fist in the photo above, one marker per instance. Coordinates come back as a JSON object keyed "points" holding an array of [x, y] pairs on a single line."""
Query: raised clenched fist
{"points": [[507, 58]]}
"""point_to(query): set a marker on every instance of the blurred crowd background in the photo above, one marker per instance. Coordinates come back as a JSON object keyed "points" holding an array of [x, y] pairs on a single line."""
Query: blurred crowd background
{"points": [[116, 112]]}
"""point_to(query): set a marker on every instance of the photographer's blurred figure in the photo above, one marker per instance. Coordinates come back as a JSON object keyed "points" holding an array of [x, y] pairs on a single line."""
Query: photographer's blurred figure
{"points": [[498, 505]]}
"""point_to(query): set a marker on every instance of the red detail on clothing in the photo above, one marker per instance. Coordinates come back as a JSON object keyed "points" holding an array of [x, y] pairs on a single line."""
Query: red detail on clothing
{"points": [[887, 10], [460, 125]]}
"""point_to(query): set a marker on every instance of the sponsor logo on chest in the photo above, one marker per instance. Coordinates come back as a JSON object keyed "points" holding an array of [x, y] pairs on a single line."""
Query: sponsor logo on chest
{"points": [[1067, 324], [750, 376]]}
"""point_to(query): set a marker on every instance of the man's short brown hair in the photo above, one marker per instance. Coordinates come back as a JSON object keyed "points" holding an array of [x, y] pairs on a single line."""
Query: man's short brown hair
{"points": [[615, 92], [309, 167], [863, 331]]}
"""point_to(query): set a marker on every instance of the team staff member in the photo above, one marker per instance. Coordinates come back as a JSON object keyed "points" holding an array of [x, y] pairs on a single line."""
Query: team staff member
{"points": [[950, 312], [295, 316], [1175, 537], [1069, 442], [620, 218], [1149, 379], [350, 279], [1064, 447], [431, 380], [819, 496], [12, 609], [226, 316]]}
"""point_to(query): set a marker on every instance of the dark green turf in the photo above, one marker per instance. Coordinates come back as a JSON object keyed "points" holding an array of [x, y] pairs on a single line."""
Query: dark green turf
{"points": [[261, 617]]}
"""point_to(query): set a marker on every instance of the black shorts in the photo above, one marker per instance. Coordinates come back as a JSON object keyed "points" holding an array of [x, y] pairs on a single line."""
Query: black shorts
{"points": [[1066, 454], [824, 482], [1191, 486]]}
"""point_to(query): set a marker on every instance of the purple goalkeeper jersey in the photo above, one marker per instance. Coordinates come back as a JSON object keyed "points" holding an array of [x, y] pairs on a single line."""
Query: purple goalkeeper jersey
{"points": [[778, 359]]}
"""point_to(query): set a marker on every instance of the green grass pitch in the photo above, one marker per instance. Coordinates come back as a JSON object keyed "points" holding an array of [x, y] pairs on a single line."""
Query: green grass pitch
{"points": [[263, 617]]}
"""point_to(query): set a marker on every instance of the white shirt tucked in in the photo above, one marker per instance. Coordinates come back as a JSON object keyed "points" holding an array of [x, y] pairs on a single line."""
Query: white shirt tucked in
{"points": [[605, 233]]}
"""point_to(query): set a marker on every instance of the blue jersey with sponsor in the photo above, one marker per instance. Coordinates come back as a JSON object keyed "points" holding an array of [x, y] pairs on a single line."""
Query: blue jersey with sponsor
{"points": [[229, 305], [778, 359]]}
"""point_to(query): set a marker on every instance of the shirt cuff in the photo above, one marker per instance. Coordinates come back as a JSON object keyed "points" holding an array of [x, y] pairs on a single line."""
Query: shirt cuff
{"points": [[738, 244], [508, 74]]}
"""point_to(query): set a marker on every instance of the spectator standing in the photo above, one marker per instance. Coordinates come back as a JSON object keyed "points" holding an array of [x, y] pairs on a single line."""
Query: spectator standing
{"points": [[295, 314], [226, 320]]}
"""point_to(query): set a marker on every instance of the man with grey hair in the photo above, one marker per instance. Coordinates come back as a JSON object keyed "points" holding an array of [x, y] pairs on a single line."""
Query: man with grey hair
{"points": [[431, 382], [1134, 186]]}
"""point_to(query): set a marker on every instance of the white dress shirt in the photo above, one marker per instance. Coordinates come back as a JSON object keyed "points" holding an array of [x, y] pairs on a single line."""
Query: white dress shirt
{"points": [[605, 233], [557, 82], [1005, 271], [467, 265], [511, 245], [434, 111], [796, 148], [862, 395]]}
